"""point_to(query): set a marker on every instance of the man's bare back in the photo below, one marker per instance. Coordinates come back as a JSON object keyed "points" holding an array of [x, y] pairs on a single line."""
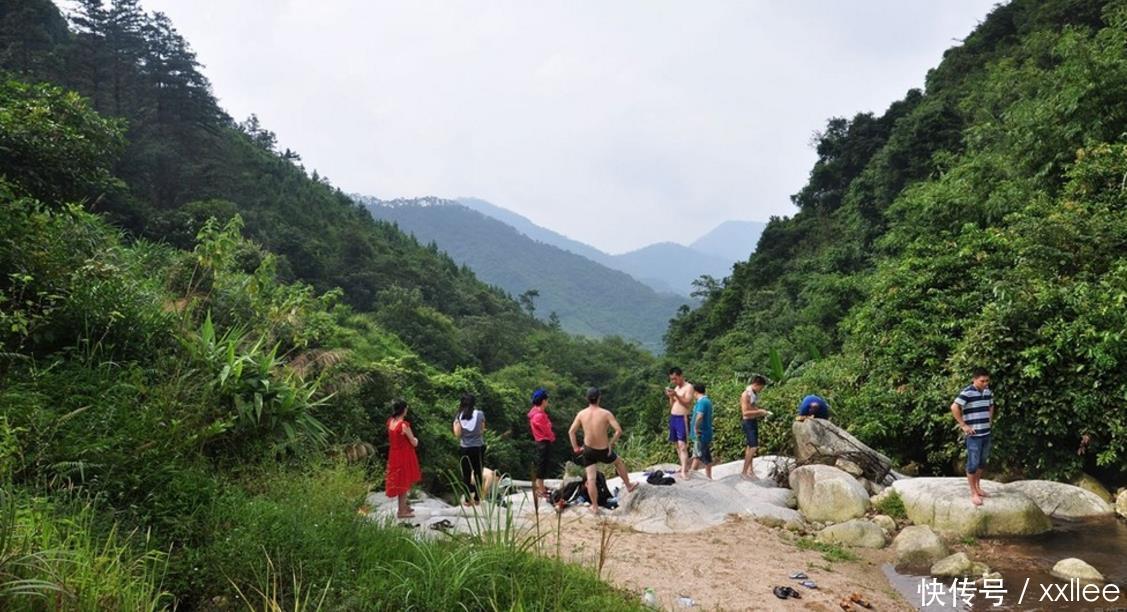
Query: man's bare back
{"points": [[595, 421]]}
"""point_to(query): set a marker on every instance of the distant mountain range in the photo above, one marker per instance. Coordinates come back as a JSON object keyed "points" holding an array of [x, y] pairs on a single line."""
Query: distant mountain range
{"points": [[588, 297], [666, 267]]}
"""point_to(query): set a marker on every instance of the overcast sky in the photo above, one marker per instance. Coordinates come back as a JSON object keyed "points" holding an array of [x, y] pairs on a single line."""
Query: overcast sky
{"points": [[617, 123]]}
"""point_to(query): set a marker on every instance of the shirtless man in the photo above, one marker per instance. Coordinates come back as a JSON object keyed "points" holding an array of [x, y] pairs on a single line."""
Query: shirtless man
{"points": [[750, 413], [680, 407], [594, 420]]}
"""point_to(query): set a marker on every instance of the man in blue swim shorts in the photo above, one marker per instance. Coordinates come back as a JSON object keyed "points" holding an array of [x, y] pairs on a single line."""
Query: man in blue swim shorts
{"points": [[680, 397], [750, 413]]}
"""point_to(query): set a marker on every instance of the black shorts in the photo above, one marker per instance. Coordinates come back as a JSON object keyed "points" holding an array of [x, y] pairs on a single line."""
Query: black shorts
{"points": [[591, 456], [541, 465]]}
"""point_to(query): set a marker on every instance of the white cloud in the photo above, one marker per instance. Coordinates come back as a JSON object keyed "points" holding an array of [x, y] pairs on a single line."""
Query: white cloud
{"points": [[617, 123]]}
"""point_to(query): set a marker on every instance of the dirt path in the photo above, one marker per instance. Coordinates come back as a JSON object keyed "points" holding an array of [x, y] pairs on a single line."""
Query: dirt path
{"points": [[732, 566]]}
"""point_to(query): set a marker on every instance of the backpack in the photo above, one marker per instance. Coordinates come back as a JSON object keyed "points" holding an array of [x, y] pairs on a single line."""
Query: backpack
{"points": [[575, 491]]}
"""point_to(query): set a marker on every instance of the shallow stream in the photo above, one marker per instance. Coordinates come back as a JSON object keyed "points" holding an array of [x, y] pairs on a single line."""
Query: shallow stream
{"points": [[1102, 543]]}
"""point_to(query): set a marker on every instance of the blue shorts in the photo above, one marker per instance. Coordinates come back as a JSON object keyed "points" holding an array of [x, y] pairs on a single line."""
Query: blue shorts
{"points": [[978, 452], [751, 432], [677, 430], [703, 451]]}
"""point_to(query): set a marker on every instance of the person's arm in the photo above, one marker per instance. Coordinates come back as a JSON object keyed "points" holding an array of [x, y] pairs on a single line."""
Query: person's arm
{"points": [[410, 435], [457, 428], [957, 412], [697, 423], [617, 431], [571, 432]]}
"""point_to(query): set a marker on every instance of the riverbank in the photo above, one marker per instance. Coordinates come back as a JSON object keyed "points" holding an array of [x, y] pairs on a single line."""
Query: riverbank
{"points": [[732, 566]]}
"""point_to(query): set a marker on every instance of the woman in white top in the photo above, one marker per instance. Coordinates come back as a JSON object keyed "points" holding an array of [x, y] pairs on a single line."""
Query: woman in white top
{"points": [[469, 428]]}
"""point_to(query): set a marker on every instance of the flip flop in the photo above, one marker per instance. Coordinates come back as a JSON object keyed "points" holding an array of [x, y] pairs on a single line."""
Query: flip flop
{"points": [[799, 576], [809, 584], [408, 525], [443, 525], [857, 599], [781, 592]]}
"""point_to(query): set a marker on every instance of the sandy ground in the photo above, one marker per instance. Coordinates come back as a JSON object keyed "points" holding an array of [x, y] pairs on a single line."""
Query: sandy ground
{"points": [[733, 566]]}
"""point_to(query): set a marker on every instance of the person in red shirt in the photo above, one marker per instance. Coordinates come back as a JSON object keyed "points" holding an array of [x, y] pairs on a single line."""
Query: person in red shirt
{"points": [[543, 435], [402, 462]]}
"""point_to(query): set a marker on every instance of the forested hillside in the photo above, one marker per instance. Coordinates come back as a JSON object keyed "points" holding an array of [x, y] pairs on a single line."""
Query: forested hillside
{"points": [[192, 329], [979, 222], [579, 295]]}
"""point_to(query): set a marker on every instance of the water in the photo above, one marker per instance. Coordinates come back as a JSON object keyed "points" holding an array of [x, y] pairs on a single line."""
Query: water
{"points": [[1102, 543]]}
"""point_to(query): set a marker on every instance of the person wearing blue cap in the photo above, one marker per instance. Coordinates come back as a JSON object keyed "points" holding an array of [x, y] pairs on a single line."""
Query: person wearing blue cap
{"points": [[543, 435]]}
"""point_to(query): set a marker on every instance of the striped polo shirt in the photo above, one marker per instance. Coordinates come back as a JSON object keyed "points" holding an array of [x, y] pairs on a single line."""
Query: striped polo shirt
{"points": [[976, 408]]}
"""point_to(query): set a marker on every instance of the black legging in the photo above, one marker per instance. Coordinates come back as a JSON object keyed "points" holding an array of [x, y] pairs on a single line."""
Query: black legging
{"points": [[471, 461]]}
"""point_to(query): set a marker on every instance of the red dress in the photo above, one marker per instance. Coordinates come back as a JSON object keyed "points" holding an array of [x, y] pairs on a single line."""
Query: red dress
{"points": [[402, 462]]}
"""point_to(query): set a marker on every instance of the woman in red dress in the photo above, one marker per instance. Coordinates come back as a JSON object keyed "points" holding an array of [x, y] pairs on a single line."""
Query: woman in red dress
{"points": [[402, 463]]}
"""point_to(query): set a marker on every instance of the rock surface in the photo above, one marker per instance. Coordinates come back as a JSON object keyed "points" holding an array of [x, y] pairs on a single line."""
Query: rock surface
{"points": [[697, 504], [953, 566], [885, 522], [1061, 500], [944, 504], [1121, 503], [857, 532], [1089, 483], [918, 546], [820, 441], [1068, 569], [828, 494]]}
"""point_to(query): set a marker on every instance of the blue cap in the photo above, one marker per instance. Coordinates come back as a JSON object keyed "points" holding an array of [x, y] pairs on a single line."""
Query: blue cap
{"points": [[539, 395]]}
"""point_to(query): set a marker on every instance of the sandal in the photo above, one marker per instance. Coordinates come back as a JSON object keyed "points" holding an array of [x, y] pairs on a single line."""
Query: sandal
{"points": [[798, 576], [857, 599], [809, 584], [444, 525], [785, 592]]}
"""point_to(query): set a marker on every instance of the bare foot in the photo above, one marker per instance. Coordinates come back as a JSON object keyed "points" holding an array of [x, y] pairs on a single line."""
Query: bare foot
{"points": [[594, 510], [749, 477], [982, 493], [975, 499], [403, 515], [630, 486]]}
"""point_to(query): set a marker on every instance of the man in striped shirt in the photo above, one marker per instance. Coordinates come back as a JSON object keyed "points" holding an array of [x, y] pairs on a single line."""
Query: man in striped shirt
{"points": [[974, 410]]}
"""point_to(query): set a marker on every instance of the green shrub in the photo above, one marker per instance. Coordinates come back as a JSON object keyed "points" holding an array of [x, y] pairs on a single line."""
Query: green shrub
{"points": [[892, 505]]}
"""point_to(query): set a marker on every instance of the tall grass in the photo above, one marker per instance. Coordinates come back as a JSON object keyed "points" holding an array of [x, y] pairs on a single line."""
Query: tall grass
{"points": [[54, 560], [307, 524]]}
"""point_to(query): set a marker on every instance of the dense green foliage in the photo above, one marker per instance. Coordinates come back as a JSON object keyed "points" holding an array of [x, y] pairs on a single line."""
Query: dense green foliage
{"points": [[587, 298], [981, 222], [170, 364]]}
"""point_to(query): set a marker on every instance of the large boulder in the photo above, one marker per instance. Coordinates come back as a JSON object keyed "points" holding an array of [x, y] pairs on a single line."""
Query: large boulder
{"points": [[856, 532], [1090, 483], [1061, 500], [918, 546], [953, 566], [697, 504], [827, 494], [1072, 568], [820, 441], [1121, 503], [944, 504]]}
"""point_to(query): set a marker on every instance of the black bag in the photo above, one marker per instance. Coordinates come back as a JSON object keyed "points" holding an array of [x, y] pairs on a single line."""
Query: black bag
{"points": [[576, 491]]}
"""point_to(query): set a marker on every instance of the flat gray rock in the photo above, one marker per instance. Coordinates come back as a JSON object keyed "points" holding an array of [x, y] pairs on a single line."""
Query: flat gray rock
{"points": [[857, 532], [697, 504], [1061, 500], [945, 505]]}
